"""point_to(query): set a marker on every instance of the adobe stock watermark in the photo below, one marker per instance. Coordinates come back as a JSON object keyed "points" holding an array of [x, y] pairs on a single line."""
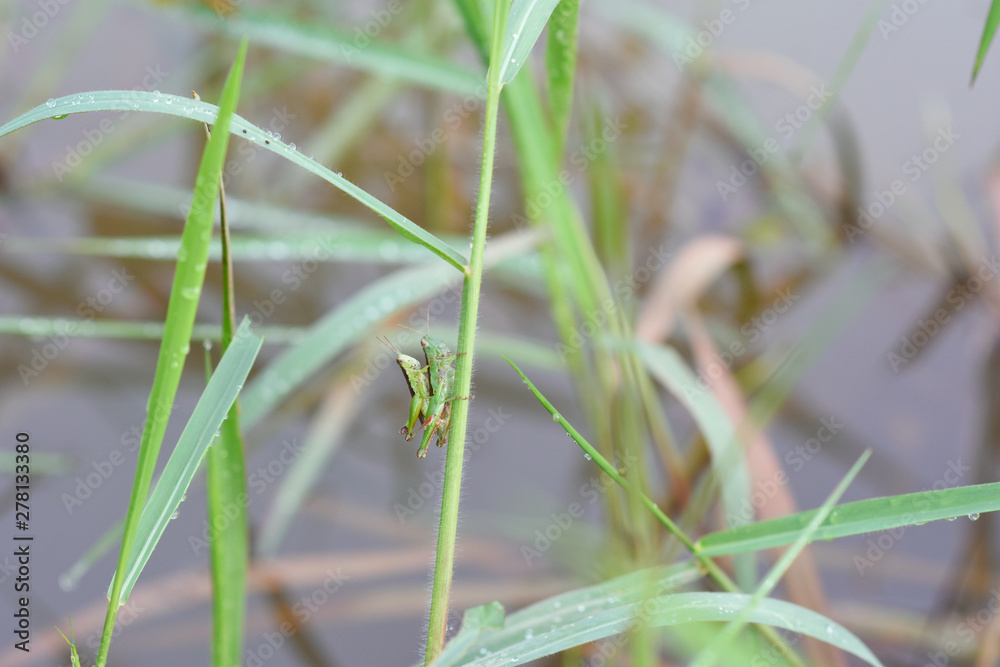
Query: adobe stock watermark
{"points": [[417, 497], [624, 289], [966, 633], [694, 46], [644, 611], [257, 483], [899, 15], [101, 471], [785, 127], [303, 610], [879, 546], [363, 35], [425, 147], [94, 137], [31, 25], [560, 522], [88, 310], [912, 171], [766, 489], [751, 332], [580, 159], [957, 298], [127, 614]]}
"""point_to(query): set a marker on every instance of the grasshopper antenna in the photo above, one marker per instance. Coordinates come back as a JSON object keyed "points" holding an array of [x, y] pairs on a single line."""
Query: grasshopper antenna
{"points": [[385, 341]]}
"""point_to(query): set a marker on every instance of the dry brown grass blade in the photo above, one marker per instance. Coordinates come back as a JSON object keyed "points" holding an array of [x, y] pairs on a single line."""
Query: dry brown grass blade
{"points": [[689, 275]]}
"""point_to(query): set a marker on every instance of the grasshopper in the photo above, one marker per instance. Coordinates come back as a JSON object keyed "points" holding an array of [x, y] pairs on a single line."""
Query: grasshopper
{"points": [[432, 390], [419, 386]]}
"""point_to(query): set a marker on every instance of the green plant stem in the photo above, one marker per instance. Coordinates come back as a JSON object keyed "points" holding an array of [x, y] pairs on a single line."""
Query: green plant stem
{"points": [[226, 486], [448, 528]]}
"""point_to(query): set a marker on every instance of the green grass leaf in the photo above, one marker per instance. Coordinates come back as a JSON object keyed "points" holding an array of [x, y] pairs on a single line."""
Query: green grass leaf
{"points": [[539, 618], [728, 462], [357, 51], [201, 429], [560, 63], [525, 23], [989, 30], [863, 516], [770, 580], [138, 100], [181, 310], [640, 598], [57, 327], [475, 621]]}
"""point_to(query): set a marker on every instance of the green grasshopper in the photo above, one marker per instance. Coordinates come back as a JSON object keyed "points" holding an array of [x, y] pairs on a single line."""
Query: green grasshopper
{"points": [[432, 390], [419, 386]]}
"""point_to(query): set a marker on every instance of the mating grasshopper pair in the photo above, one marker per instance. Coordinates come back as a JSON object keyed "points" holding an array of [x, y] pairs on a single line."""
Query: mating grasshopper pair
{"points": [[432, 390]]}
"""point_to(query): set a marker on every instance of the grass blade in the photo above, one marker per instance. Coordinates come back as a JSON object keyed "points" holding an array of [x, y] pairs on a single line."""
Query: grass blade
{"points": [[356, 245], [989, 30], [709, 657], [181, 309], [314, 40], [201, 429], [560, 61], [707, 563], [525, 23], [728, 460], [475, 621], [58, 327], [139, 100], [565, 608], [226, 486], [667, 366], [638, 599], [863, 516]]}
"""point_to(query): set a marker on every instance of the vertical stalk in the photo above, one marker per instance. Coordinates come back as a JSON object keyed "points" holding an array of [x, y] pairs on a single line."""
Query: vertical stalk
{"points": [[448, 528]]}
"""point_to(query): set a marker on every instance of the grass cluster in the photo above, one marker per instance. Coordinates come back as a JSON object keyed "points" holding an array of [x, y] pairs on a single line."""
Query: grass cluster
{"points": [[637, 340]]}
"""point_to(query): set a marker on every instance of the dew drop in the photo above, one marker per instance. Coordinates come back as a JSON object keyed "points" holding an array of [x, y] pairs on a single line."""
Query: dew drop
{"points": [[60, 117], [156, 94], [952, 518], [51, 103], [66, 582], [587, 456], [974, 516]]}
